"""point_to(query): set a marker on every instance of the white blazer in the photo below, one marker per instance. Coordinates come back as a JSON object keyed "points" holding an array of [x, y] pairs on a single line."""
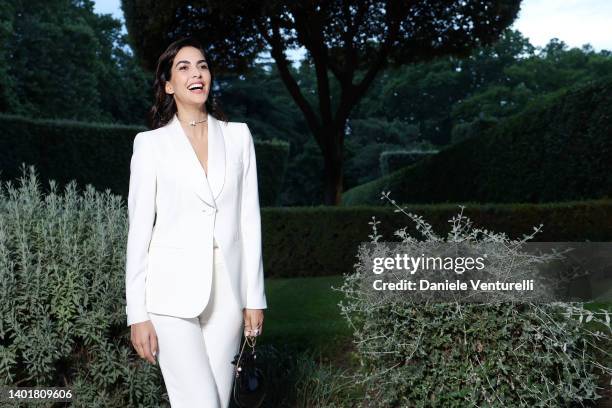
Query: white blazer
{"points": [[175, 210]]}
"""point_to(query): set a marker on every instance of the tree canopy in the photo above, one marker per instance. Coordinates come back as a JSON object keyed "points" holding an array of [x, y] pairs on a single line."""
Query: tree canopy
{"points": [[61, 60], [348, 43]]}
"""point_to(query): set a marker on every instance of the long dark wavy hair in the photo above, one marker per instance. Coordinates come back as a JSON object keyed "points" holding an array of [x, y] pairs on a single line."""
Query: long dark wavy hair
{"points": [[164, 107]]}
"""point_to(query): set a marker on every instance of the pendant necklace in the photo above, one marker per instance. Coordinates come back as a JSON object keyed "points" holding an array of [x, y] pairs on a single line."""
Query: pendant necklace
{"points": [[195, 122]]}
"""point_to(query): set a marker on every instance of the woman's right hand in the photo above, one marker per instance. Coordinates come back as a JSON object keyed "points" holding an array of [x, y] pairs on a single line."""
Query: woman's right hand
{"points": [[144, 340]]}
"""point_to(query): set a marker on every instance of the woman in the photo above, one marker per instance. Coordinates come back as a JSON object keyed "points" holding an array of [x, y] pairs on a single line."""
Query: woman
{"points": [[194, 270]]}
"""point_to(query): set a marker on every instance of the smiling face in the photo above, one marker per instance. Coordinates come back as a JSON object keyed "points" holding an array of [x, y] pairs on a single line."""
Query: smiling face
{"points": [[190, 78]]}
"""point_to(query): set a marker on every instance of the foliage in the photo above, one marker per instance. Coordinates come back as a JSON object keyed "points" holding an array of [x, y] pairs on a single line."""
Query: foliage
{"points": [[62, 60], [62, 315], [260, 100], [392, 160], [66, 150], [556, 150], [101, 80], [493, 82], [453, 354], [348, 44], [324, 385], [471, 129], [320, 240]]}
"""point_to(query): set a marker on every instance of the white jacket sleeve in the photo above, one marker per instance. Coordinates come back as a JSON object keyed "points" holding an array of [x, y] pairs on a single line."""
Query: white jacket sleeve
{"points": [[141, 214], [250, 227]]}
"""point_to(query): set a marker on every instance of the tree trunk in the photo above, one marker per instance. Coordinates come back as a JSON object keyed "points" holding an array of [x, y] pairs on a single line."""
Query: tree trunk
{"points": [[332, 159]]}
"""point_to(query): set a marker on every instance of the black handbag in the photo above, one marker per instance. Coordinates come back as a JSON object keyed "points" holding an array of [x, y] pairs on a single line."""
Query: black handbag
{"points": [[249, 382]]}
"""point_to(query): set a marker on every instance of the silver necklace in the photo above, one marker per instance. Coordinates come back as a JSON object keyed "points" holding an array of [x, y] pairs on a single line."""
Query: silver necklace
{"points": [[194, 122]]}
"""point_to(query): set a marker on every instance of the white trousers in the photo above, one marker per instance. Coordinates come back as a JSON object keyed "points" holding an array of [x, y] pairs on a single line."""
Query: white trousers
{"points": [[195, 354]]}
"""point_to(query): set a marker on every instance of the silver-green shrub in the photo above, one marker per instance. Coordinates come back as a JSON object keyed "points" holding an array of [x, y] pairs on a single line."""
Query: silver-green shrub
{"points": [[512, 354], [62, 308]]}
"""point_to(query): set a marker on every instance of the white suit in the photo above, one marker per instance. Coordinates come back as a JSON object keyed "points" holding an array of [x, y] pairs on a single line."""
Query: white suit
{"points": [[169, 263], [194, 294]]}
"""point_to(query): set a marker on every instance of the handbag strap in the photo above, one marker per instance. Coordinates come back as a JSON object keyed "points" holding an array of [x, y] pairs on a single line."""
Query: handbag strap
{"points": [[251, 341]]}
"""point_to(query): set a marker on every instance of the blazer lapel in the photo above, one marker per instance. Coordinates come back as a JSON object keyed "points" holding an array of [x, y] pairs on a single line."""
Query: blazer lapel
{"points": [[216, 156], [206, 187]]}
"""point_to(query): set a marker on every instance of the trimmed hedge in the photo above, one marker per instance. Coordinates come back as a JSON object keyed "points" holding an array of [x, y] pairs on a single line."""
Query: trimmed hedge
{"points": [[392, 160], [99, 154], [318, 241], [558, 149], [272, 162]]}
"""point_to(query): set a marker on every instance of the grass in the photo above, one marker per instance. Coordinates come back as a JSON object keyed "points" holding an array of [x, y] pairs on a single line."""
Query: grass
{"points": [[304, 313]]}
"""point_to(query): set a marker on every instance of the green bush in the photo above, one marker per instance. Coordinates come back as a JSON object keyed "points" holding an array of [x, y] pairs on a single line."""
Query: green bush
{"points": [[509, 354], [62, 314], [475, 128], [62, 317], [65, 150], [322, 240], [272, 161], [392, 160], [557, 149]]}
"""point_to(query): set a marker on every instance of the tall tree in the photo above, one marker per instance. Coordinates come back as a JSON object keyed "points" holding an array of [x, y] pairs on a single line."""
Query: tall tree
{"points": [[348, 42], [59, 59]]}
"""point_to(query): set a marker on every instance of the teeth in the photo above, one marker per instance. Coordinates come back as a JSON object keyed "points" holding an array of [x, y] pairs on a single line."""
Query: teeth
{"points": [[196, 87]]}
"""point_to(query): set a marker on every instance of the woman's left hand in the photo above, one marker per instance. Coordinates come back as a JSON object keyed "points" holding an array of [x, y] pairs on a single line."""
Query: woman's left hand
{"points": [[253, 322]]}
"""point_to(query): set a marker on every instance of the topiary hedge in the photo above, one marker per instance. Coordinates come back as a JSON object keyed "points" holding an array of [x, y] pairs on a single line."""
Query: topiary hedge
{"points": [[392, 160], [318, 241], [558, 149], [99, 154]]}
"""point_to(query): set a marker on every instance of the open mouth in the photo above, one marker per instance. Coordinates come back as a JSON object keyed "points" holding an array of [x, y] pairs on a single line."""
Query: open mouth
{"points": [[197, 88]]}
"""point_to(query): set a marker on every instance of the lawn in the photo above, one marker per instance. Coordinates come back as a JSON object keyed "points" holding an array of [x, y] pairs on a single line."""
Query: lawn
{"points": [[304, 312]]}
